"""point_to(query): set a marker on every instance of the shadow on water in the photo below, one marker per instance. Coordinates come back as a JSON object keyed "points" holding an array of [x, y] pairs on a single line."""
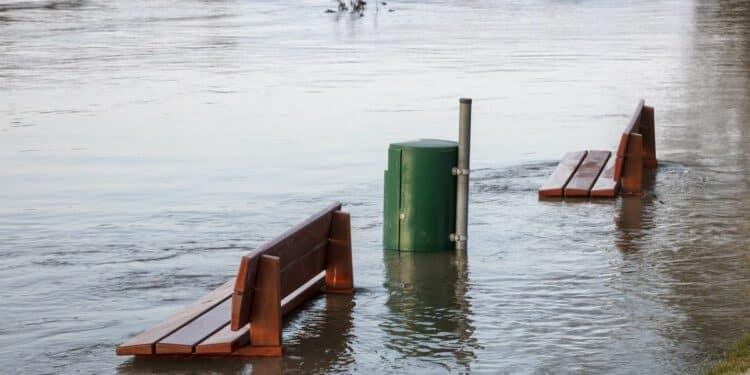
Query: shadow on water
{"points": [[429, 310]]}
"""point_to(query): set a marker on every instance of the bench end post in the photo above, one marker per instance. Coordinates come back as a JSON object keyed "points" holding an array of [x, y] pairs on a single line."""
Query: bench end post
{"points": [[339, 272], [648, 130], [632, 174], [265, 317]]}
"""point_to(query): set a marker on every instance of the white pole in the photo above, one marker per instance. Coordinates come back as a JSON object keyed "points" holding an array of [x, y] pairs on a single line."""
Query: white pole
{"points": [[462, 173]]}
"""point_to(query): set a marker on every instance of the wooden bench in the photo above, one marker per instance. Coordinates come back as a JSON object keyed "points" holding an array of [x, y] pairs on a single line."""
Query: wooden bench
{"points": [[243, 317], [596, 173]]}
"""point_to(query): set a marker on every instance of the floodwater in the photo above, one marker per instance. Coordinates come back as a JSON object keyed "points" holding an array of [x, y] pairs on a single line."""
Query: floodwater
{"points": [[145, 145]]}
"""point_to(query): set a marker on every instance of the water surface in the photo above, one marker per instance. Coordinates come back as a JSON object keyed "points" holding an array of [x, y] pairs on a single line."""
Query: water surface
{"points": [[146, 145]]}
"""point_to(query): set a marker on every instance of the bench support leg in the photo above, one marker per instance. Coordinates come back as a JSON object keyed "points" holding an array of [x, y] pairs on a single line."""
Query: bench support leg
{"points": [[649, 138], [632, 173], [265, 317], [339, 273]]}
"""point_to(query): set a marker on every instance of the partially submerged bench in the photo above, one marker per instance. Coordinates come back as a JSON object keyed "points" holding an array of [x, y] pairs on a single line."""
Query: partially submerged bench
{"points": [[243, 316], [595, 173]]}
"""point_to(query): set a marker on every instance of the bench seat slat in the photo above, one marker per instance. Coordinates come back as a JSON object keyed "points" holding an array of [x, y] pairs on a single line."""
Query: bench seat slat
{"points": [[224, 341], [559, 179], [582, 181], [186, 338], [143, 344], [606, 186]]}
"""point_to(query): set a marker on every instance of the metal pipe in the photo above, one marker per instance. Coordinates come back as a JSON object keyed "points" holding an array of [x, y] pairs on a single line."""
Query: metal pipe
{"points": [[462, 173]]}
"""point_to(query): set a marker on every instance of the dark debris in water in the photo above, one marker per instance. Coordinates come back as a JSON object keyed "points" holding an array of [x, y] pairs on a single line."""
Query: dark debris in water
{"points": [[357, 7]]}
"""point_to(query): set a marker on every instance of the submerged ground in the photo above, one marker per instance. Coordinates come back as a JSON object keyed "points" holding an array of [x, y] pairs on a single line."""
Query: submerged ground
{"points": [[146, 145]]}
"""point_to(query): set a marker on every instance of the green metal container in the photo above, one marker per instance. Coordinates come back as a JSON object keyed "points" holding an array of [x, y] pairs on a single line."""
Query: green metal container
{"points": [[419, 208]]}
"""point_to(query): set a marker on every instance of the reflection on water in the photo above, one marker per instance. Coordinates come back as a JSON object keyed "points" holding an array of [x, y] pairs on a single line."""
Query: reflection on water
{"points": [[145, 145], [322, 340], [429, 311], [630, 221]]}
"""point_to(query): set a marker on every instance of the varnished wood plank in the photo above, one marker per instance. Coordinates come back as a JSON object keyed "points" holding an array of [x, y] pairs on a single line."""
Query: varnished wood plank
{"points": [[559, 179], [606, 186], [143, 344], [632, 174], [227, 341], [303, 269], [300, 239], [634, 122], [588, 172], [266, 312], [244, 288], [339, 272], [186, 338], [303, 293], [649, 138], [224, 341], [341, 226], [291, 245], [622, 147]]}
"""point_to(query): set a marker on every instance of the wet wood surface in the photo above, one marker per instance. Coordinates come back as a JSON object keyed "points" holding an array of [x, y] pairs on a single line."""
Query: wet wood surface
{"points": [[303, 269], [144, 343], [632, 172], [583, 180], [244, 290], [289, 247], [606, 186], [339, 272], [266, 312], [556, 183], [648, 131], [186, 338], [227, 341], [224, 341]]}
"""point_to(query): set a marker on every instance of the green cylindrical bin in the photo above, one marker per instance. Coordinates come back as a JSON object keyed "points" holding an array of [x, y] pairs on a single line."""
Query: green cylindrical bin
{"points": [[419, 208]]}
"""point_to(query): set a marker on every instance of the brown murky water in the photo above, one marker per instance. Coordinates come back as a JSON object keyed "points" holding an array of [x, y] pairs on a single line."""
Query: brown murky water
{"points": [[146, 145]]}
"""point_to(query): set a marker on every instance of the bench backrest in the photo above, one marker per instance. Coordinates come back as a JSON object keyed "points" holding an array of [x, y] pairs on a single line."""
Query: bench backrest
{"points": [[301, 253], [633, 127]]}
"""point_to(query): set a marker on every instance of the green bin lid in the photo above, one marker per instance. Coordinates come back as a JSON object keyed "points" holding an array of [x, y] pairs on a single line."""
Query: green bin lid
{"points": [[425, 143]]}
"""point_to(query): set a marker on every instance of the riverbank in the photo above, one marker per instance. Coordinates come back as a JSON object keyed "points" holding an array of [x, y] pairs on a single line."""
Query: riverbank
{"points": [[736, 360]]}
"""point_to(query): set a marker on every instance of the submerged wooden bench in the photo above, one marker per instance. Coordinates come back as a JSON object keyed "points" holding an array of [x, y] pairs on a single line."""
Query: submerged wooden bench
{"points": [[595, 173], [243, 316]]}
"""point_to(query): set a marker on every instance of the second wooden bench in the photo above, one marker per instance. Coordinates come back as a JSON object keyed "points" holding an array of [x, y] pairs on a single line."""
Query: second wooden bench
{"points": [[595, 173]]}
